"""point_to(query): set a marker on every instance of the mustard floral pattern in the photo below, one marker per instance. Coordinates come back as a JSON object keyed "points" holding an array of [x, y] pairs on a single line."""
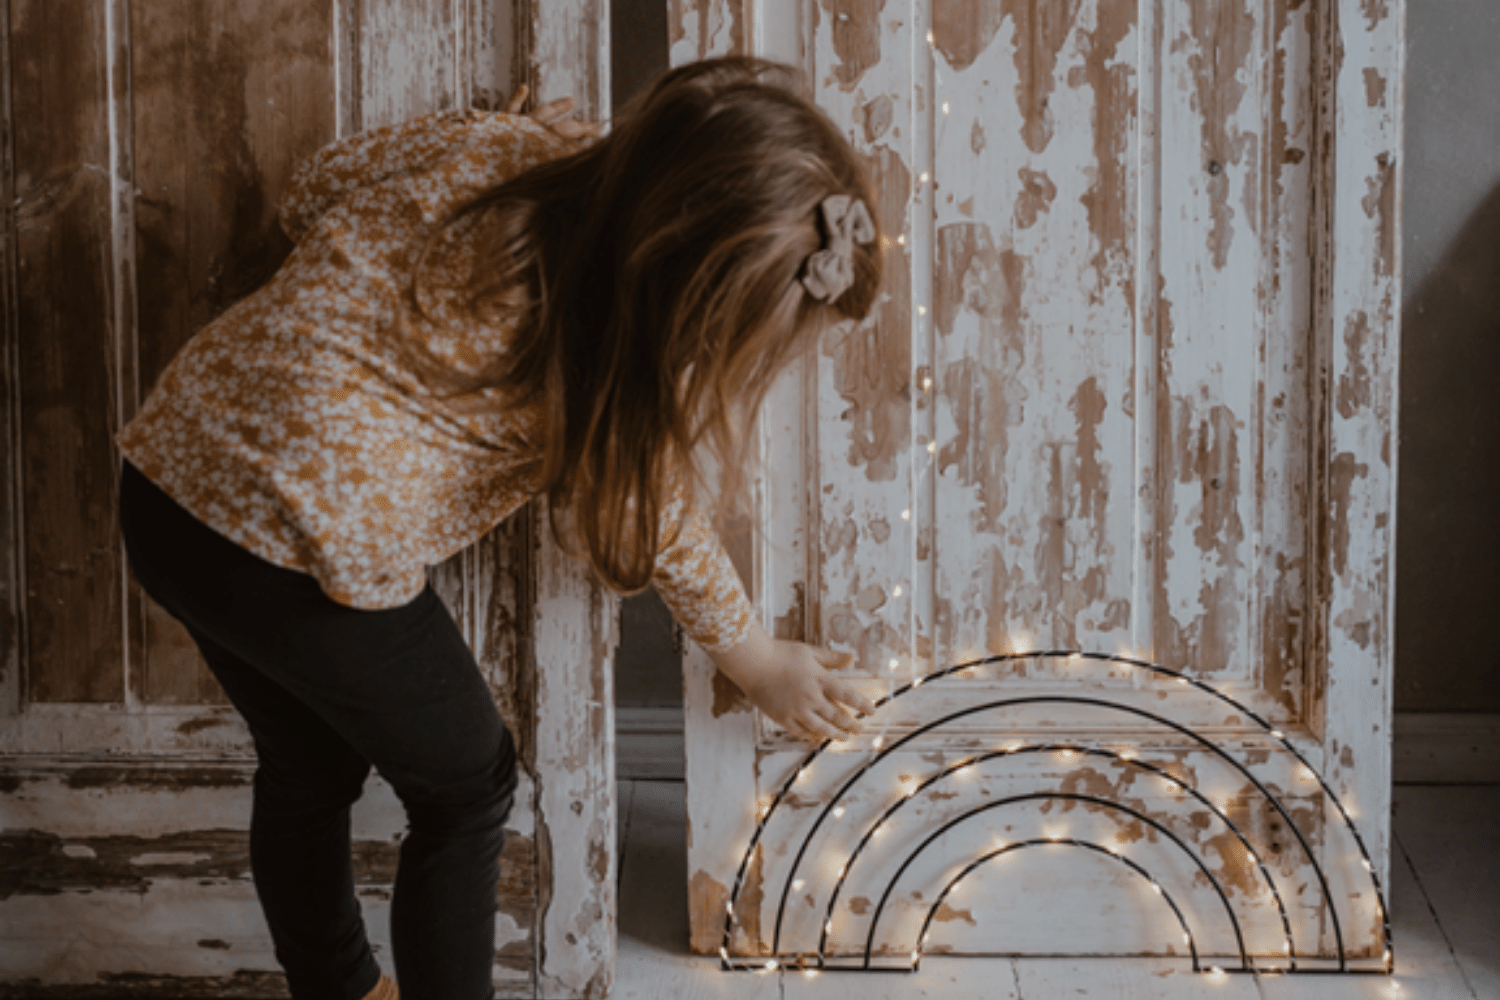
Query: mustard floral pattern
{"points": [[304, 423]]}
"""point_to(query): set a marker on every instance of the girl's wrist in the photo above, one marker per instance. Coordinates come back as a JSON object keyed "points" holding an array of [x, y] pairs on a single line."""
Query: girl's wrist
{"points": [[745, 663]]}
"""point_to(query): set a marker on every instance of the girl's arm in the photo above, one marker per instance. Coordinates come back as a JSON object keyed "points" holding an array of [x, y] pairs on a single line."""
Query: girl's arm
{"points": [[789, 681]]}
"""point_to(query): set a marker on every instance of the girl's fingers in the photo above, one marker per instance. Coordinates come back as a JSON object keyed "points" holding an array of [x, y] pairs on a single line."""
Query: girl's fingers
{"points": [[554, 109], [517, 100], [835, 715], [818, 729], [830, 659], [848, 695], [574, 131]]}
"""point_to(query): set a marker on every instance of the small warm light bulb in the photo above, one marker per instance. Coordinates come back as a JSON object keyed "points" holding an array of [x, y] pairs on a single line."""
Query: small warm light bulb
{"points": [[878, 742], [1368, 867], [771, 965], [1127, 754], [906, 514], [896, 590], [922, 310], [797, 885], [810, 973], [1156, 888], [924, 177], [945, 107], [894, 663], [838, 811], [927, 383], [901, 240], [1216, 971], [932, 447], [1276, 733]]}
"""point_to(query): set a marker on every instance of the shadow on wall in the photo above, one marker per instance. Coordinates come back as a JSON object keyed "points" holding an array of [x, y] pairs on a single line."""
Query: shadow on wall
{"points": [[1448, 496]]}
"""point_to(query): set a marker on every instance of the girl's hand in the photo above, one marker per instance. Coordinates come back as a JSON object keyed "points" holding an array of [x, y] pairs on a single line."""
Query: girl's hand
{"points": [[575, 133], [790, 682]]}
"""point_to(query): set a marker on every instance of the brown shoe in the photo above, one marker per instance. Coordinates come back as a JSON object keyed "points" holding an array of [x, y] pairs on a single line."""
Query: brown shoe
{"points": [[384, 990]]}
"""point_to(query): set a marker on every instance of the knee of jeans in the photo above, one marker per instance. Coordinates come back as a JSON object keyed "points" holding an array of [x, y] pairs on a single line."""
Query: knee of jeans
{"points": [[477, 804]]}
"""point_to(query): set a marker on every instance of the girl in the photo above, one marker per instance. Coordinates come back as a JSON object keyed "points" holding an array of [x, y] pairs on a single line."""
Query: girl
{"points": [[477, 313]]}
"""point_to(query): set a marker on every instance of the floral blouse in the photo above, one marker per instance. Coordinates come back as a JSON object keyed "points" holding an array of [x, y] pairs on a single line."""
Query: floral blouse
{"points": [[299, 423]]}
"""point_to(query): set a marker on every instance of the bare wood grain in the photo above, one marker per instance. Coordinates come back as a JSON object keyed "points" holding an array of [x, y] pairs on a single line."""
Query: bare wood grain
{"points": [[65, 367]]}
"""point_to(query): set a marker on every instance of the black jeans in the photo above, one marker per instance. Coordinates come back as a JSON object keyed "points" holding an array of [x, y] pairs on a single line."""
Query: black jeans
{"points": [[327, 692]]}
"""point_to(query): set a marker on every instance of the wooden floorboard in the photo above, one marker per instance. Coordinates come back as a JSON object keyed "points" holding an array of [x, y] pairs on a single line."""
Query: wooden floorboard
{"points": [[1451, 835], [653, 962]]}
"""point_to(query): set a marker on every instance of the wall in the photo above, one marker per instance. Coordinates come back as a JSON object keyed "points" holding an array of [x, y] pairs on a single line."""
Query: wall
{"points": [[1448, 535]]}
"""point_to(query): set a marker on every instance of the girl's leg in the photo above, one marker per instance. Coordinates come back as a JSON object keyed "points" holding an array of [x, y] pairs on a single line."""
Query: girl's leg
{"points": [[399, 687], [306, 780]]}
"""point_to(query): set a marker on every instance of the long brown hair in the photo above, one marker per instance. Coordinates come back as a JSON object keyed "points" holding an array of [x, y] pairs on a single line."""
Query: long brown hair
{"points": [[654, 279]]}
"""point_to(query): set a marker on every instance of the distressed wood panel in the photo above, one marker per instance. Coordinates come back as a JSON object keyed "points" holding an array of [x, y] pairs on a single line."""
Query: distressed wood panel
{"points": [[409, 60], [206, 109], [1137, 260], [61, 67], [12, 618], [864, 393], [1035, 124], [701, 29], [576, 628], [1206, 427], [1358, 266], [228, 97]]}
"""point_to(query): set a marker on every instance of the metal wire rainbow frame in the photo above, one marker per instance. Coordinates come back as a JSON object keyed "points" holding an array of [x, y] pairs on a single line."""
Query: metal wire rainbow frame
{"points": [[820, 961]]}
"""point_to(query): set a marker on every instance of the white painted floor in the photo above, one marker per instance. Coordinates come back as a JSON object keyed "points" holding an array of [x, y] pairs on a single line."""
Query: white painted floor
{"points": [[1445, 909]]}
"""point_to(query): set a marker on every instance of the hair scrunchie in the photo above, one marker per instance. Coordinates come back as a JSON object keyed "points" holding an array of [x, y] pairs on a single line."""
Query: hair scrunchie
{"points": [[829, 272]]}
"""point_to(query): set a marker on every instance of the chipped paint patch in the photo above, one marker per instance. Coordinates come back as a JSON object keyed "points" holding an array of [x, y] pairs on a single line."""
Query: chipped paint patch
{"points": [[963, 29], [1037, 192], [856, 37]]}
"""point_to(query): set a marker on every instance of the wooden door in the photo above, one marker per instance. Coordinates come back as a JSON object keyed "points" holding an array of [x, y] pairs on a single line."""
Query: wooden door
{"points": [[1129, 393], [146, 145]]}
